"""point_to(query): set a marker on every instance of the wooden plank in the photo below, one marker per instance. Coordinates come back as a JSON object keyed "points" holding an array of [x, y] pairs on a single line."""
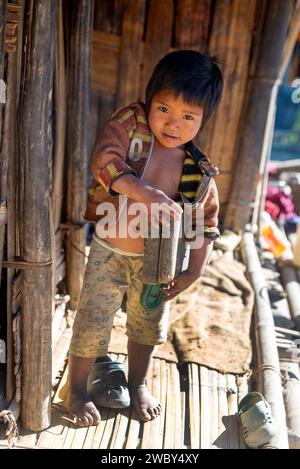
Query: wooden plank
{"points": [[232, 412], [191, 24], [159, 28], [205, 408], [194, 405], [105, 61], [129, 69]]}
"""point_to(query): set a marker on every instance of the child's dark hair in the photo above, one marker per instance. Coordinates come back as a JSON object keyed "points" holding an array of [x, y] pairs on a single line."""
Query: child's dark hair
{"points": [[194, 76]]}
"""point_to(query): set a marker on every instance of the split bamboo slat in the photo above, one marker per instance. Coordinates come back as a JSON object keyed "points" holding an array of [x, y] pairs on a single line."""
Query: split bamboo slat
{"points": [[78, 65], [163, 398], [130, 57], [194, 405], [34, 144], [151, 431], [223, 422], [242, 390], [205, 409], [233, 424], [213, 386], [172, 410]]}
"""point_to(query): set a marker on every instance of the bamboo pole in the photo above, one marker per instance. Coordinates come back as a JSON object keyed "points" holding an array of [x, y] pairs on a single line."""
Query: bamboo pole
{"points": [[262, 91], [291, 385], [34, 144], [60, 117], [78, 84], [292, 287], [268, 361]]}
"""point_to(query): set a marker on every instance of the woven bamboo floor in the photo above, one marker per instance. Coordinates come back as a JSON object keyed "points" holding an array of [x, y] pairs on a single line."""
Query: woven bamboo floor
{"points": [[199, 411]]}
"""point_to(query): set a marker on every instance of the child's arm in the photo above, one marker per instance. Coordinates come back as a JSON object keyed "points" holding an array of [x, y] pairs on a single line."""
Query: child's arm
{"points": [[199, 257], [109, 168], [197, 263]]}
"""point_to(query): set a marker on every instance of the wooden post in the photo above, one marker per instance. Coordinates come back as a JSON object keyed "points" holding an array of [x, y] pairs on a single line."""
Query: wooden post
{"points": [[35, 144], [3, 156], [78, 85], [262, 88]]}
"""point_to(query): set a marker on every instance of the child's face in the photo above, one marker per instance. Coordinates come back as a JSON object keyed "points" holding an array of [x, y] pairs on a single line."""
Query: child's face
{"points": [[173, 121]]}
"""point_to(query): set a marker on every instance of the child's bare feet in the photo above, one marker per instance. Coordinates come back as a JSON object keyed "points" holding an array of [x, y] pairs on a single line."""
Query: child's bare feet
{"points": [[84, 409], [146, 406]]}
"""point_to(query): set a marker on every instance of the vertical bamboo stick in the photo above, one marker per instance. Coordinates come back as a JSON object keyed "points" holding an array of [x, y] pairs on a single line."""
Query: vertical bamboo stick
{"points": [[34, 143], [78, 80]]}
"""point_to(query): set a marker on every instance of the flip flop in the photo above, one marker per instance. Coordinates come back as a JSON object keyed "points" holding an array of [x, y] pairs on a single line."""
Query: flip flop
{"points": [[256, 419], [152, 296], [107, 385]]}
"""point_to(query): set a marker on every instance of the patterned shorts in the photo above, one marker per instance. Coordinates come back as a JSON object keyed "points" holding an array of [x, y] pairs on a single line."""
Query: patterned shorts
{"points": [[107, 277]]}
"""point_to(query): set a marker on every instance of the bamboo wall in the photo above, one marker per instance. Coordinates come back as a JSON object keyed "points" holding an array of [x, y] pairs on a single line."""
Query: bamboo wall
{"points": [[130, 37]]}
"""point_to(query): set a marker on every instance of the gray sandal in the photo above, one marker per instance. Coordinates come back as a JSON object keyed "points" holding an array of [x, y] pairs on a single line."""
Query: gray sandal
{"points": [[107, 385]]}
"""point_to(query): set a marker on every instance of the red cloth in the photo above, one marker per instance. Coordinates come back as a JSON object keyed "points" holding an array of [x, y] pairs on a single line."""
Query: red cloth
{"points": [[278, 204]]}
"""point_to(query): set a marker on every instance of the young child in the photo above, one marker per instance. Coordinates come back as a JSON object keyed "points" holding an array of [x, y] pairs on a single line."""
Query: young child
{"points": [[145, 152]]}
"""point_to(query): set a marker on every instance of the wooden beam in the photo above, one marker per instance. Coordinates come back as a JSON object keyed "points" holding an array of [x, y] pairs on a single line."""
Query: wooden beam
{"points": [[130, 53], [35, 144], [260, 106], [78, 85]]}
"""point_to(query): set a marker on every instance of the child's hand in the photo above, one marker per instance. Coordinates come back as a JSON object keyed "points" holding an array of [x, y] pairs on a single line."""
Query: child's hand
{"points": [[179, 284], [151, 198]]}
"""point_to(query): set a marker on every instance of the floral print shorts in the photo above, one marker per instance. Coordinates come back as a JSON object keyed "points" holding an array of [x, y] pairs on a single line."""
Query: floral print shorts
{"points": [[107, 277]]}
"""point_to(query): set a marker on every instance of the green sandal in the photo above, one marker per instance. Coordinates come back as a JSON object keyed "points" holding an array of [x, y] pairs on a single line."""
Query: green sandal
{"points": [[107, 384], [153, 296], [256, 419]]}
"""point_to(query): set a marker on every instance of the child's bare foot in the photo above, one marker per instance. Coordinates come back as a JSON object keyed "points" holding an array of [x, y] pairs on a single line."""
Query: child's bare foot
{"points": [[146, 406], [84, 410]]}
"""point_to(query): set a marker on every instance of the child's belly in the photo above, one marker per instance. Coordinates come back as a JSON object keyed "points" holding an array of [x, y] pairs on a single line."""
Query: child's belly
{"points": [[124, 237]]}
